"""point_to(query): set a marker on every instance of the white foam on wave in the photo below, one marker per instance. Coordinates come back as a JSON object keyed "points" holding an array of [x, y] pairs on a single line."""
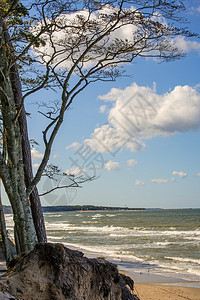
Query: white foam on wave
{"points": [[182, 259], [67, 226], [58, 238], [112, 252], [108, 215], [53, 215], [97, 216], [197, 238], [194, 271], [90, 222], [183, 268], [57, 226], [122, 232]]}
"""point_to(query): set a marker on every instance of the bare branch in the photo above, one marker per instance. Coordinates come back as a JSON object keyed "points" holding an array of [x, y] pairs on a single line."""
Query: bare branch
{"points": [[74, 184], [90, 50], [55, 173]]}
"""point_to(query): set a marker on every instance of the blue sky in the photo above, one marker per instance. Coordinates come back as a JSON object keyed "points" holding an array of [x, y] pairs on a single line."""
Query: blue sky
{"points": [[162, 173], [156, 162]]}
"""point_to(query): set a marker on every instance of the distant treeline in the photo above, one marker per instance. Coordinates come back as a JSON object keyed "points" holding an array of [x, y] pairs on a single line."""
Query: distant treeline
{"points": [[84, 208], [8, 209]]}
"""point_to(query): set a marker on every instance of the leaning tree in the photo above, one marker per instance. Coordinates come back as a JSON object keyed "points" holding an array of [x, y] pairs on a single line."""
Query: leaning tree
{"points": [[66, 46]]}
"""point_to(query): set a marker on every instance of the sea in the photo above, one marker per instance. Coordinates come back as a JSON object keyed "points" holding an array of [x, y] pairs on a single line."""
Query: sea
{"points": [[156, 241]]}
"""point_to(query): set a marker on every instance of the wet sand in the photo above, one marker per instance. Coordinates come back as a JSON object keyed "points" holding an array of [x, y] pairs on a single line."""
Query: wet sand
{"points": [[149, 286]]}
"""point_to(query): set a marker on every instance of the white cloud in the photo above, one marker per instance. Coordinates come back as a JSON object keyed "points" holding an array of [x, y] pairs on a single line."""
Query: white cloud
{"points": [[140, 113], [36, 166], [112, 95], [68, 36], [131, 162], [198, 174], [186, 45], [35, 154], [76, 171], [159, 180], [145, 114], [107, 139], [139, 182], [180, 174], [102, 109], [112, 165], [74, 145]]}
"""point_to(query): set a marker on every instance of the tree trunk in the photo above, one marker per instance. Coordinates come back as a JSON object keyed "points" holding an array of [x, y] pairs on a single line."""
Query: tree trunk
{"points": [[12, 169], [36, 207]]}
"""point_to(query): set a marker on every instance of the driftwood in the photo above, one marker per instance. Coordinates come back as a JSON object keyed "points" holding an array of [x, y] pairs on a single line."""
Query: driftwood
{"points": [[54, 272]]}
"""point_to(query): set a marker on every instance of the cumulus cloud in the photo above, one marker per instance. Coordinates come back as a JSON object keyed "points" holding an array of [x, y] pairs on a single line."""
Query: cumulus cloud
{"points": [[144, 113], [159, 180], [112, 95], [131, 162], [186, 45], [107, 139], [35, 154], [102, 109], [74, 145], [74, 31], [76, 171], [180, 174], [139, 182], [112, 165], [139, 113], [71, 35]]}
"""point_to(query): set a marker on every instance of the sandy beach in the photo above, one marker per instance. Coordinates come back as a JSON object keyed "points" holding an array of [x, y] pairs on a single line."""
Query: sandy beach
{"points": [[159, 287], [165, 292]]}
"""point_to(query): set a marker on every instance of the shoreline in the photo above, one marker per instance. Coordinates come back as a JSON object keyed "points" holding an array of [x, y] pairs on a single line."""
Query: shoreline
{"points": [[147, 285], [159, 279], [153, 286], [144, 276]]}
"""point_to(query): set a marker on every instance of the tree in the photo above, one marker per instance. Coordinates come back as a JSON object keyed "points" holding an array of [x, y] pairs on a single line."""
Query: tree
{"points": [[66, 46]]}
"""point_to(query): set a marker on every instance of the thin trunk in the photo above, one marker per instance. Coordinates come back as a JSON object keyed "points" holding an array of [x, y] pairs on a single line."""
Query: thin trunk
{"points": [[36, 207], [13, 177]]}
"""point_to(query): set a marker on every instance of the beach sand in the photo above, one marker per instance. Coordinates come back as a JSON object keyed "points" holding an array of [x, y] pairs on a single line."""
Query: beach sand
{"points": [[164, 292], [158, 287]]}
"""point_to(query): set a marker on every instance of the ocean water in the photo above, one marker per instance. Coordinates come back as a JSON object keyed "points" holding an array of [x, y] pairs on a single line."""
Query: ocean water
{"points": [[158, 241]]}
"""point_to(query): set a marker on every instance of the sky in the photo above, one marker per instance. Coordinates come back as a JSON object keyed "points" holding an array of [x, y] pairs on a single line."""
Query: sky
{"points": [[139, 136]]}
